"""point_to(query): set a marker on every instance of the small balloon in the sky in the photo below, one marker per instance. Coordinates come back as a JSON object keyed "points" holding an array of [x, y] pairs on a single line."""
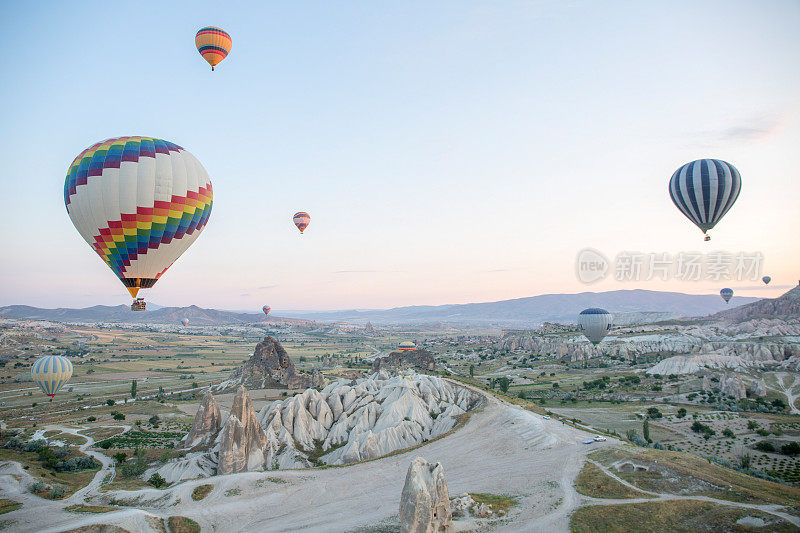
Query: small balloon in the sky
{"points": [[213, 43], [185, 321], [301, 219], [595, 323], [726, 294], [766, 280], [704, 190], [51, 372], [266, 310]]}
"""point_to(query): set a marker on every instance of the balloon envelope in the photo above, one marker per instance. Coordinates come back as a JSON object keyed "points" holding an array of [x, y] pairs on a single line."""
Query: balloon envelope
{"points": [[266, 309], [595, 323], [139, 202], [766, 280], [51, 372], [213, 43], [726, 294], [185, 321], [704, 190], [301, 219]]}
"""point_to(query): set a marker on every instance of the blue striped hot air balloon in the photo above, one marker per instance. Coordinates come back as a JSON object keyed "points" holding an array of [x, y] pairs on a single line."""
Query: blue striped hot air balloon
{"points": [[595, 323], [51, 372], [726, 294], [704, 190]]}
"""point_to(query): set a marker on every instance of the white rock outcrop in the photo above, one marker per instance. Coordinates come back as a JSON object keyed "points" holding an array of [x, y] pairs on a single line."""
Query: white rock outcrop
{"points": [[425, 501], [242, 442], [206, 425]]}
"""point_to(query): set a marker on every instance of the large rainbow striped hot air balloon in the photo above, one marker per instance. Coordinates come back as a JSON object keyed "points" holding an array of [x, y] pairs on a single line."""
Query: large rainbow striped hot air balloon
{"points": [[51, 372], [139, 202], [301, 219], [213, 43]]}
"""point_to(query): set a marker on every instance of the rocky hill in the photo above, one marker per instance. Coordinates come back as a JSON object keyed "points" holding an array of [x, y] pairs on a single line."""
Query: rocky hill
{"points": [[269, 367], [348, 421], [786, 305], [420, 359]]}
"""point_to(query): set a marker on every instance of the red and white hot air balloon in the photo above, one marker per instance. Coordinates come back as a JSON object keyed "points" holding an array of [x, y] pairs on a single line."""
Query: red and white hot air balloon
{"points": [[266, 310]]}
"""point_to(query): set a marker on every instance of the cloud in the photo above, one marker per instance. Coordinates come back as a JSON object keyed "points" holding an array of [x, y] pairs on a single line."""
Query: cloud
{"points": [[265, 287], [754, 129]]}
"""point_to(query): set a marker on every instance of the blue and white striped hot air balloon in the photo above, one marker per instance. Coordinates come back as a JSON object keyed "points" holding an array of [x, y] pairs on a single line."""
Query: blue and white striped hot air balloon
{"points": [[595, 323], [704, 190], [51, 372]]}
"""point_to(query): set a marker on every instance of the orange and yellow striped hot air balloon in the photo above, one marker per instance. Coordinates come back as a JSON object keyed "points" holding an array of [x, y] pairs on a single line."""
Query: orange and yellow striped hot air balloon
{"points": [[213, 43]]}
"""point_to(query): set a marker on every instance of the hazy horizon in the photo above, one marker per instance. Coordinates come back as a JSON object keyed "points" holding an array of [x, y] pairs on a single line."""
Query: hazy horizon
{"points": [[447, 153]]}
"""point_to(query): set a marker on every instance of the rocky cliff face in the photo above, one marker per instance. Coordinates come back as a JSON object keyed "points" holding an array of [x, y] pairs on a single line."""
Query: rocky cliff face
{"points": [[206, 425], [268, 367], [351, 421], [734, 387], [420, 358], [425, 501], [242, 443], [787, 304]]}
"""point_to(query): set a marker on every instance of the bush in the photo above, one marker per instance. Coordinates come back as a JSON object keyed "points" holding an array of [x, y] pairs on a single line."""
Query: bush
{"points": [[91, 419], [154, 420], [34, 445], [109, 402], [120, 457], [157, 481], [57, 492], [39, 486], [752, 425], [791, 449], [765, 446], [729, 433], [681, 413], [653, 412], [119, 416], [47, 457]]}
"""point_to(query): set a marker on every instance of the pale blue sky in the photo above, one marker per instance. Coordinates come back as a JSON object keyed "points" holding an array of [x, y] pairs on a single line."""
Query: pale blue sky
{"points": [[447, 152]]}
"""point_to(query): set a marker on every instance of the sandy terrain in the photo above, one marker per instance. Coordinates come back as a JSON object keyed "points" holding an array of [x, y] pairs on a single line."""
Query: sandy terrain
{"points": [[503, 449]]}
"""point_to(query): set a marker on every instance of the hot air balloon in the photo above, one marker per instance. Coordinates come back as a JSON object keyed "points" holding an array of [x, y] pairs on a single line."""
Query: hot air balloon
{"points": [[301, 219], [139, 202], [726, 294], [185, 321], [704, 190], [213, 43], [406, 346], [266, 309], [595, 323], [766, 280], [51, 372]]}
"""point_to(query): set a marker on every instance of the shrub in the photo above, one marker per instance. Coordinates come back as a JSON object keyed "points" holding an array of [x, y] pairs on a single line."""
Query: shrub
{"points": [[120, 457], [57, 492], [653, 412], [154, 420], [157, 481], [109, 402], [729, 433], [681, 413], [91, 419], [34, 445], [39, 486], [765, 446], [752, 424], [119, 416], [791, 449]]}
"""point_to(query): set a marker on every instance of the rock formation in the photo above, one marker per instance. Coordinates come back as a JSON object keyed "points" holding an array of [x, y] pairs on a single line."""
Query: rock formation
{"points": [[242, 442], [734, 387], [269, 366], [420, 358], [425, 501], [206, 425], [706, 385], [760, 389]]}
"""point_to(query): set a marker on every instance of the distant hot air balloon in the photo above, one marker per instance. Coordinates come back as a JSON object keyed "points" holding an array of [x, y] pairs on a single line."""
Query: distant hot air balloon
{"points": [[50, 372], [726, 294], [139, 202], [301, 220], [704, 190], [406, 346], [213, 43], [185, 321], [766, 280], [266, 309], [595, 323]]}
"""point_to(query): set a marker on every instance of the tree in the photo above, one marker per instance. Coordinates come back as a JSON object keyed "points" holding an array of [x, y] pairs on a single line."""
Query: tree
{"points": [[133, 389], [728, 432], [503, 383], [472, 371], [157, 481], [120, 457], [793, 448], [646, 429], [752, 424], [109, 402], [194, 385], [154, 420], [653, 412]]}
